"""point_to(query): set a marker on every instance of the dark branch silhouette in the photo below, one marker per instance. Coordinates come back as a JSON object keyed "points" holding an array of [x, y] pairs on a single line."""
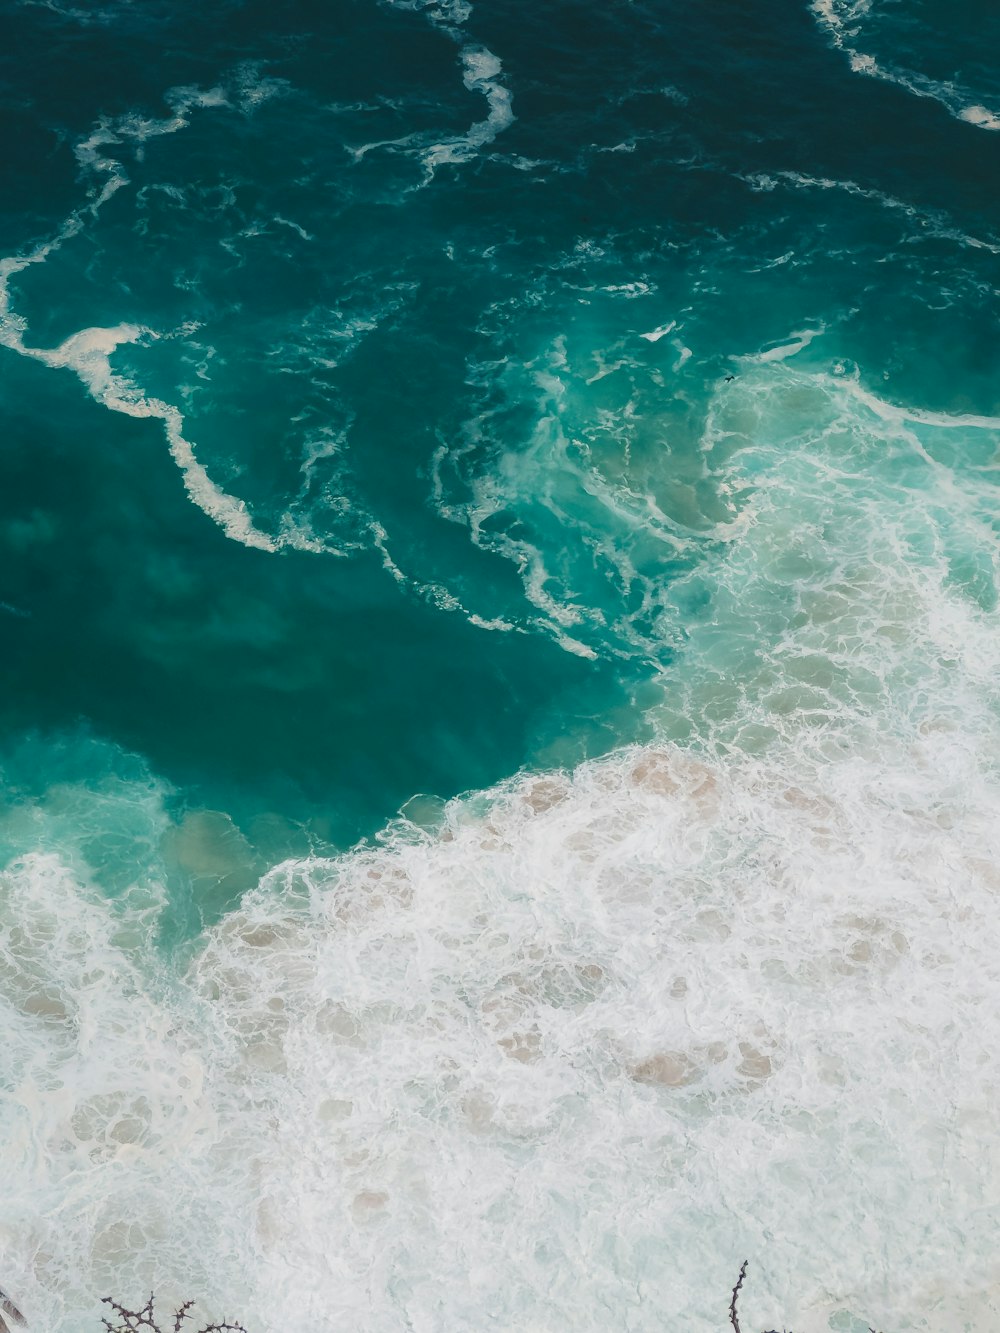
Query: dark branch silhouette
{"points": [[144, 1320], [733, 1317], [135, 1321]]}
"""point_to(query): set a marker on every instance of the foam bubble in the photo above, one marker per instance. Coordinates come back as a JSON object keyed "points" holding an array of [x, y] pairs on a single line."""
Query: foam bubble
{"points": [[981, 116], [481, 73]]}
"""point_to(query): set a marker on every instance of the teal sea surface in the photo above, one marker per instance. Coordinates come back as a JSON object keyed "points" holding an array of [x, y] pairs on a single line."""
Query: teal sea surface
{"points": [[500, 710]]}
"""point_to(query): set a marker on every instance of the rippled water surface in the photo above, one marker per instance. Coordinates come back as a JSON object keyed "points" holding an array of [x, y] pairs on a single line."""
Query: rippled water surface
{"points": [[500, 726]]}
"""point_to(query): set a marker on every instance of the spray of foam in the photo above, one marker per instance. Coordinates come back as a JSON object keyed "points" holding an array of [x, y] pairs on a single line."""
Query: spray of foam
{"points": [[569, 1056]]}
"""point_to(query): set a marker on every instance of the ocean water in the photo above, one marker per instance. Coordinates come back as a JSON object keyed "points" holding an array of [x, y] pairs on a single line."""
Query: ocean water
{"points": [[499, 511]]}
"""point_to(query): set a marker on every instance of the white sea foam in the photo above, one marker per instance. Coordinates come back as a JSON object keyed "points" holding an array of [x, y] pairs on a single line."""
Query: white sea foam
{"points": [[445, 13], [482, 71], [589, 539], [566, 1059], [572, 1051], [981, 116], [931, 222], [630, 291], [435, 594], [252, 86], [589, 508], [921, 416], [842, 20], [294, 226], [684, 354], [661, 332], [783, 350], [88, 353]]}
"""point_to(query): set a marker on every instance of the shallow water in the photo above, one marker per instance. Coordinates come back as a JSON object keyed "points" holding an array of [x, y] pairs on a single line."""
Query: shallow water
{"points": [[500, 720]]}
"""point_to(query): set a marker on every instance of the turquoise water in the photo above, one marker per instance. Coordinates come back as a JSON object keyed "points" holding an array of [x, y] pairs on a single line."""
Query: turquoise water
{"points": [[500, 725]]}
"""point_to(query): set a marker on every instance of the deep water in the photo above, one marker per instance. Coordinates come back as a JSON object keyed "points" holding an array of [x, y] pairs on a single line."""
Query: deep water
{"points": [[499, 722]]}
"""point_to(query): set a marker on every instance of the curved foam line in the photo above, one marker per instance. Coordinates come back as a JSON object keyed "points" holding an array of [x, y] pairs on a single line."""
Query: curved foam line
{"points": [[940, 229], [799, 339], [434, 593], [921, 416], [88, 351], [956, 101], [481, 70]]}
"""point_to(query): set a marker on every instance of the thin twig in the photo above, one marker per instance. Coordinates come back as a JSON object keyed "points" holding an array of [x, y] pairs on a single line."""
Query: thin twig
{"points": [[181, 1315], [733, 1319]]}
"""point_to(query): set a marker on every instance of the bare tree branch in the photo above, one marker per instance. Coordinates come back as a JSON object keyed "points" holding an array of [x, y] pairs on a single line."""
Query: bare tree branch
{"points": [[134, 1321]]}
